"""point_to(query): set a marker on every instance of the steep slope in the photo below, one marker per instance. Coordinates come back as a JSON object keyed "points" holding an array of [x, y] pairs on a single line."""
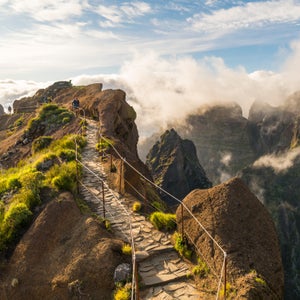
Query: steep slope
{"points": [[224, 139], [244, 229], [64, 255], [175, 167]]}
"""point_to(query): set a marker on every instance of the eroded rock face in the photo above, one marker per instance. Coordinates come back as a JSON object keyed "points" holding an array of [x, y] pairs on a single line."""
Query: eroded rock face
{"points": [[225, 140], [2, 112], [62, 255], [175, 167], [241, 225]]}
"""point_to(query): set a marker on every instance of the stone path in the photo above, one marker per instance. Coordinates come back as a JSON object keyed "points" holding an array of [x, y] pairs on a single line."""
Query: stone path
{"points": [[162, 270]]}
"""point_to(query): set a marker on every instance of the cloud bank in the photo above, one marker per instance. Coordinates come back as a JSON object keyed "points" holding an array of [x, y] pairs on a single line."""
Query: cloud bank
{"points": [[279, 163], [164, 90]]}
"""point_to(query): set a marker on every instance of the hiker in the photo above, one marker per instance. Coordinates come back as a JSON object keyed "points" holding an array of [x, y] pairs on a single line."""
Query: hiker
{"points": [[75, 103], [9, 110]]}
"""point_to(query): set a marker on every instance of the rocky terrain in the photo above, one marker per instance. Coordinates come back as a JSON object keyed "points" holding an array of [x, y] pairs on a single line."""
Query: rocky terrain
{"points": [[174, 166], [231, 212], [67, 253], [264, 150]]}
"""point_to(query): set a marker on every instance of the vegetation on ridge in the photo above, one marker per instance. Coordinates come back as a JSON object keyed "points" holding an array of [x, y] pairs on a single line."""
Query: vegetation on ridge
{"points": [[52, 165]]}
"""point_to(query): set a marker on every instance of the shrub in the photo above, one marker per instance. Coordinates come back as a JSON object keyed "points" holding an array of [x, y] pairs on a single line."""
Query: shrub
{"points": [[17, 216], [13, 183], [123, 293], [63, 177], [126, 249], [40, 143], [181, 246], [161, 220], [45, 161], [67, 154], [136, 206], [201, 270]]}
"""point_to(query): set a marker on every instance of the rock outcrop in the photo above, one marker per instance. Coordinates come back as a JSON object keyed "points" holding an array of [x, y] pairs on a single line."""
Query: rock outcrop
{"points": [[175, 167], [2, 112], [244, 229], [64, 255]]}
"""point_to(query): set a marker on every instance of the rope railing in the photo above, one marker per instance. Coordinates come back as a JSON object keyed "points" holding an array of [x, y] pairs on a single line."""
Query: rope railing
{"points": [[130, 238], [223, 267]]}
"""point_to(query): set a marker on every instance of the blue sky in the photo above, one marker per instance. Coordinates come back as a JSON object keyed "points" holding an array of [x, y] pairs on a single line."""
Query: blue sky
{"points": [[50, 40]]}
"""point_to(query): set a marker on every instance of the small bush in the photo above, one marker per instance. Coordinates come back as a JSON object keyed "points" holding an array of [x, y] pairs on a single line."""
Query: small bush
{"points": [[67, 154], [201, 270], [63, 177], [181, 246], [136, 206], [126, 249], [13, 183], [17, 216], [123, 293], [40, 143], [161, 220]]}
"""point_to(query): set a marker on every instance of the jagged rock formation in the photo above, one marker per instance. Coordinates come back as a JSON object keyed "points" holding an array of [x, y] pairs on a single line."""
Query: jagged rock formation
{"points": [[64, 255], [244, 229], [175, 167], [227, 143]]}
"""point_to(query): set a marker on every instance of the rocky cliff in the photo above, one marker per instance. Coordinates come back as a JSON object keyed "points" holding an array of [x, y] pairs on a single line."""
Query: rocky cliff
{"points": [[224, 139], [242, 226], [175, 167], [228, 143]]}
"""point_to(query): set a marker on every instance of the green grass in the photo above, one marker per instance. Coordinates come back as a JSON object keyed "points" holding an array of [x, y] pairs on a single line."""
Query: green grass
{"points": [[23, 184], [162, 220], [201, 270], [181, 246]]}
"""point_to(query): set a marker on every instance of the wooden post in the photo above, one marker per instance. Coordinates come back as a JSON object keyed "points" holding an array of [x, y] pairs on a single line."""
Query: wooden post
{"points": [[110, 162], [225, 274], [137, 292], [77, 168], [103, 200], [182, 225]]}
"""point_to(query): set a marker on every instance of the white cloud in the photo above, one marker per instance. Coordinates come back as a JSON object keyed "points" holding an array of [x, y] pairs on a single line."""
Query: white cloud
{"points": [[279, 163], [48, 10], [249, 15], [11, 90], [118, 14]]}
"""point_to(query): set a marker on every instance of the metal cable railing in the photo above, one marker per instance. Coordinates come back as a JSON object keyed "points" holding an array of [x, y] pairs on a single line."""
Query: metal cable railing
{"points": [[224, 261]]}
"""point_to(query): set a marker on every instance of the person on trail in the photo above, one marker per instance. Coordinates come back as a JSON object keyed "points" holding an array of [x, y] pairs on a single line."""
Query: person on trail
{"points": [[75, 103], [9, 110]]}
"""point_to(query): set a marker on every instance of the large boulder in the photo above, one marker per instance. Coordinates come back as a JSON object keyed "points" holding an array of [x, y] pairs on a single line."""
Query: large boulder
{"points": [[64, 255], [241, 225], [175, 167]]}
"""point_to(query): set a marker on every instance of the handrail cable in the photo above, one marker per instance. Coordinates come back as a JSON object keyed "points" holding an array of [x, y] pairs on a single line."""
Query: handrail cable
{"points": [[180, 202]]}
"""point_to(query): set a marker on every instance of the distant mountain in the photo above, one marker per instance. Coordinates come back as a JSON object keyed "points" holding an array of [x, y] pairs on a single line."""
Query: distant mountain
{"points": [[229, 145], [175, 167]]}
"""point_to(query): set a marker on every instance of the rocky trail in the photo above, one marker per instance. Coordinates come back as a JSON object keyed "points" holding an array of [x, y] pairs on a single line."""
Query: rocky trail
{"points": [[162, 271]]}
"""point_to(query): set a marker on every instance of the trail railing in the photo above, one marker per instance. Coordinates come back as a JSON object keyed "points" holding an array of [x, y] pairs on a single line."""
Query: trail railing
{"points": [[219, 270]]}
